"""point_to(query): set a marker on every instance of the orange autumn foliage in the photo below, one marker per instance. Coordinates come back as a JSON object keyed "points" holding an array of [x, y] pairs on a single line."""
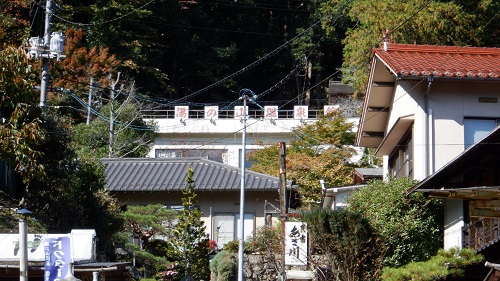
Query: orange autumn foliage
{"points": [[81, 64]]}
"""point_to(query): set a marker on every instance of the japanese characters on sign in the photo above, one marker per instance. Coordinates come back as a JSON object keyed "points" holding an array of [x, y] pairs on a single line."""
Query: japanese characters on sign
{"points": [[295, 243], [330, 108], [238, 112], [300, 112], [57, 257], [211, 112], [270, 112], [182, 112]]}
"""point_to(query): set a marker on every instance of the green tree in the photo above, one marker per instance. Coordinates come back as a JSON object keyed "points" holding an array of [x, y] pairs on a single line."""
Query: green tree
{"points": [[72, 188], [20, 122], [159, 43], [55, 185], [189, 241], [352, 247], [321, 151], [405, 224], [145, 226], [412, 22], [132, 135], [445, 265]]}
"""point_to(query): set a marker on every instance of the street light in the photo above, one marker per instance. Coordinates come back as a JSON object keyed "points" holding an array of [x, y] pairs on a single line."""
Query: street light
{"points": [[246, 94], [23, 244]]}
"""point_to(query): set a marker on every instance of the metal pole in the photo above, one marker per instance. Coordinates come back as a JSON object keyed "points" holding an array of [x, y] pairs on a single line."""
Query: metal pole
{"points": [[90, 100], [282, 180], [283, 201], [112, 96], [23, 248], [45, 58], [242, 193]]}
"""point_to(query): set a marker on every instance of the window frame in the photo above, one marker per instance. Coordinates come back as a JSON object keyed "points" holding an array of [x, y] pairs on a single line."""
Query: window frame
{"points": [[401, 158]]}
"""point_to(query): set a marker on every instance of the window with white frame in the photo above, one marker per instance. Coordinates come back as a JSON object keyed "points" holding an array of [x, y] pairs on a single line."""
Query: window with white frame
{"points": [[401, 159], [476, 128], [217, 155], [226, 227]]}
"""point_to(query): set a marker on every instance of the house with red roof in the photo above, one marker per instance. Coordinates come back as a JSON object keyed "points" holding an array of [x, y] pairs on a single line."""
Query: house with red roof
{"points": [[424, 106]]}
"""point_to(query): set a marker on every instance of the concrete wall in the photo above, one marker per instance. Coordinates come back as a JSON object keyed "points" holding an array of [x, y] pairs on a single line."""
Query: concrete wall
{"points": [[222, 134]]}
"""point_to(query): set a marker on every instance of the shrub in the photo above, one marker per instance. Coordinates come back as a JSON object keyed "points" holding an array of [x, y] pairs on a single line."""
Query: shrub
{"points": [[443, 266], [223, 266], [231, 246], [266, 239], [348, 241], [405, 224]]}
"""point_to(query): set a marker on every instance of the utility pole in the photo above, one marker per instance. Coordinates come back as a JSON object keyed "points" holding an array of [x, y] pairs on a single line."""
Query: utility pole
{"points": [[283, 203], [23, 244], [112, 116], [308, 82], [90, 100], [51, 46], [45, 60], [246, 94]]}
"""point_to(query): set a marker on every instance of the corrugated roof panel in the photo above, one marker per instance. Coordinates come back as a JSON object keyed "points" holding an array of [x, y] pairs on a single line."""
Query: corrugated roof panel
{"points": [[154, 176]]}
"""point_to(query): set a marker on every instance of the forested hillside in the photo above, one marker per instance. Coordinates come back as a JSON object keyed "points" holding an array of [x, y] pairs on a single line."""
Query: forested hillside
{"points": [[200, 51], [203, 51]]}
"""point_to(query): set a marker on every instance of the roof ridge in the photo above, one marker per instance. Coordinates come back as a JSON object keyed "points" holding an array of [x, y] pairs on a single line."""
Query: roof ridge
{"points": [[152, 159], [440, 49]]}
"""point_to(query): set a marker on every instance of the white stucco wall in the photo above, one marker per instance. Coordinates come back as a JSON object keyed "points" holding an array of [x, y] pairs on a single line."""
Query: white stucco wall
{"points": [[222, 134], [449, 102], [226, 134], [453, 223]]}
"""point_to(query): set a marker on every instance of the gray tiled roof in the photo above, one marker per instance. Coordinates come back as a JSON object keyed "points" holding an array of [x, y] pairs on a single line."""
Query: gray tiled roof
{"points": [[169, 174], [374, 172]]}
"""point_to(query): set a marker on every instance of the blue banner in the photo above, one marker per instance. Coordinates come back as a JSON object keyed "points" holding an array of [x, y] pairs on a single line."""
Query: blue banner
{"points": [[57, 257]]}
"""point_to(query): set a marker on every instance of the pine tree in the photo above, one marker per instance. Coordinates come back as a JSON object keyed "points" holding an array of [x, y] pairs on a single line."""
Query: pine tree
{"points": [[189, 241]]}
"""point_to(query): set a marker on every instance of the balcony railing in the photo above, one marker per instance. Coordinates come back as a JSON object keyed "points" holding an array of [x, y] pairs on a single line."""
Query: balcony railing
{"points": [[481, 234], [227, 114]]}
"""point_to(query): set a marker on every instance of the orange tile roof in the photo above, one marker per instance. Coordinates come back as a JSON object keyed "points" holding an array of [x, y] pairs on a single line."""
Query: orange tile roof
{"points": [[441, 61]]}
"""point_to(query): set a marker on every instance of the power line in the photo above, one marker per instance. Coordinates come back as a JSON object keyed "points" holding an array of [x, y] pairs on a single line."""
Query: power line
{"points": [[265, 57], [248, 67], [264, 6], [376, 43], [397, 27], [104, 22], [208, 28], [426, 77]]}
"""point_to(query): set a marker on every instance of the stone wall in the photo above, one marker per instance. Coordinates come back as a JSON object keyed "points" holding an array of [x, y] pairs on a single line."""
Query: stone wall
{"points": [[268, 267]]}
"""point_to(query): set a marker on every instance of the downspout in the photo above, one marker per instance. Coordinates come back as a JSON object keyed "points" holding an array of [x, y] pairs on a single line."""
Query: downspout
{"points": [[427, 160]]}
